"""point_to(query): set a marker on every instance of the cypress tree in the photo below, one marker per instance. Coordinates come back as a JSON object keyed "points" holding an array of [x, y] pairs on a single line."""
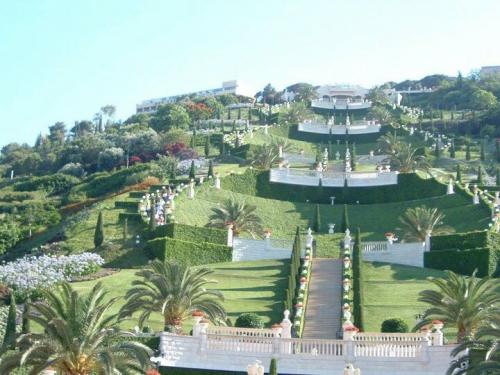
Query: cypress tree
{"points": [[273, 367], [482, 155], [239, 113], [497, 150], [437, 151], [467, 152], [357, 268], [192, 142], [222, 147], [222, 127], [353, 157], [207, 146], [9, 340], [317, 220], [480, 179], [452, 150], [234, 126], [345, 220], [99, 231], [26, 321], [210, 169], [498, 177], [249, 115], [330, 150], [152, 216], [229, 113], [173, 174], [192, 170], [459, 173], [125, 229]]}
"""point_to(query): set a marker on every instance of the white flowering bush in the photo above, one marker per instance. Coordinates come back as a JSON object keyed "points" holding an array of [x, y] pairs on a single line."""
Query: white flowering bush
{"points": [[30, 274]]}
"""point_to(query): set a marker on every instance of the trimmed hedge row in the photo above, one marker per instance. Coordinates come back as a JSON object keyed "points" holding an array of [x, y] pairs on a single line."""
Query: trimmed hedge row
{"points": [[461, 241], [357, 283], [126, 204], [485, 260], [189, 253], [130, 216], [409, 187], [191, 233], [294, 133], [53, 184]]}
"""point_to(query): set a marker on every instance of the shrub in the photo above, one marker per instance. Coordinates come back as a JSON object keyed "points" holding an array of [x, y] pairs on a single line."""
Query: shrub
{"points": [[72, 169], [192, 233], [273, 368], [485, 260], [249, 320], [52, 184], [99, 231], [394, 325], [9, 340], [469, 240]]}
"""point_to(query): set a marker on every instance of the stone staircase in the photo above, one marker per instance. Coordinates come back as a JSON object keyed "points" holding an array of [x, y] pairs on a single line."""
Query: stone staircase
{"points": [[322, 320], [248, 250]]}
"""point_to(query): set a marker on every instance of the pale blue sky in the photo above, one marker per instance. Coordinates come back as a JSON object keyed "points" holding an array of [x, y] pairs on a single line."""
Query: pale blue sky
{"points": [[63, 60]]}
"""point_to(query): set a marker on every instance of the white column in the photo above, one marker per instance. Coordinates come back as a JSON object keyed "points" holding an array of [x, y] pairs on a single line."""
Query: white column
{"points": [[428, 234], [266, 132]]}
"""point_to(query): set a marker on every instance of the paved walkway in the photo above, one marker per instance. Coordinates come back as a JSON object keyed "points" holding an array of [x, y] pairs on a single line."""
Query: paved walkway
{"points": [[324, 301]]}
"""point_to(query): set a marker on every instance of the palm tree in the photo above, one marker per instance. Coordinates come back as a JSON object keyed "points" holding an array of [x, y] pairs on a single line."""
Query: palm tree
{"points": [[175, 291], [462, 301], [79, 336], [486, 340], [264, 156], [293, 114], [239, 214], [419, 220], [407, 160], [389, 143]]}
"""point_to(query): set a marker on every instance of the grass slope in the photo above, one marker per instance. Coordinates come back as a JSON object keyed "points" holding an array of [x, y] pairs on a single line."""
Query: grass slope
{"points": [[257, 287]]}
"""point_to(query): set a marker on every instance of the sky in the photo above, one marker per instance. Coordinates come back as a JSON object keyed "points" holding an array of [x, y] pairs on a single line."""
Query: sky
{"points": [[64, 60]]}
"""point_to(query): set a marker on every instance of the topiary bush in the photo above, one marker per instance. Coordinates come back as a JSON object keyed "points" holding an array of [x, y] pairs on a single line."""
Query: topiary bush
{"points": [[249, 320], [394, 325]]}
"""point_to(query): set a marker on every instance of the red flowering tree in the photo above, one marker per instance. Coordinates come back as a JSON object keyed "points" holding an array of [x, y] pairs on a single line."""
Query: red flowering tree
{"points": [[173, 149], [198, 111]]}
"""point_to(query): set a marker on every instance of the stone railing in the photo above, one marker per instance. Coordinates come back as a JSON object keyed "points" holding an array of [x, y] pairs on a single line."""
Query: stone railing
{"points": [[237, 331], [322, 128], [332, 179], [340, 104], [371, 247]]}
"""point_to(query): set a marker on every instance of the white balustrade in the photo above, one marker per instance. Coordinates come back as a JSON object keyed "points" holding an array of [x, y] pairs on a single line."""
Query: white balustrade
{"points": [[237, 331], [384, 349], [340, 104], [371, 247], [364, 127]]}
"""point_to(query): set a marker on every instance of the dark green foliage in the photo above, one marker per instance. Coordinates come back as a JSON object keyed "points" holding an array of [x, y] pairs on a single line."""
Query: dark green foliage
{"points": [[192, 170], [99, 231], [452, 150], [234, 126], [192, 233], [239, 113], [207, 146], [9, 339], [187, 252], [52, 184], [293, 133], [345, 220], [317, 220], [295, 264], [480, 179], [249, 320], [410, 187], [222, 148], [459, 173], [497, 177], [467, 152], [497, 150], [357, 282], [210, 169], [437, 151], [482, 155], [152, 217], [26, 321], [485, 260], [469, 240], [394, 325], [125, 229], [273, 368]]}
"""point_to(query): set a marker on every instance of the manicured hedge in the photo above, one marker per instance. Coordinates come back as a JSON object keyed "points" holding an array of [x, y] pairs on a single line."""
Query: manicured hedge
{"points": [[409, 187], [192, 233], [294, 133], [52, 184], [357, 283], [187, 252], [461, 241], [126, 204], [130, 216], [485, 260]]}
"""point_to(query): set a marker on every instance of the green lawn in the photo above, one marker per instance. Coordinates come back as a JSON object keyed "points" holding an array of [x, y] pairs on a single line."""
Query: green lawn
{"points": [[257, 287], [374, 220], [391, 291]]}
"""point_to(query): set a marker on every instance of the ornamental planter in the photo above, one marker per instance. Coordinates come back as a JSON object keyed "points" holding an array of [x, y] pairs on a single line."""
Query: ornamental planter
{"points": [[347, 262]]}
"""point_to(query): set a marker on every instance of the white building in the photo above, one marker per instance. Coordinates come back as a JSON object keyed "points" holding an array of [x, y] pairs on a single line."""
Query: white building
{"points": [[341, 97], [228, 87], [489, 70]]}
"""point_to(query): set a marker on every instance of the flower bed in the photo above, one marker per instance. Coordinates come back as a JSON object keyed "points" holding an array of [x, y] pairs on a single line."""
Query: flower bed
{"points": [[31, 273]]}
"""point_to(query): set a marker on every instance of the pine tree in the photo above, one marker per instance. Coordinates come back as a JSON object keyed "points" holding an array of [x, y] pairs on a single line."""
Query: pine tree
{"points": [[210, 169], [273, 367], [353, 157], [317, 220], [467, 152], [345, 220], [125, 229], [459, 173], [207, 146], [452, 150], [9, 339], [480, 178], [482, 155], [192, 171], [99, 231]]}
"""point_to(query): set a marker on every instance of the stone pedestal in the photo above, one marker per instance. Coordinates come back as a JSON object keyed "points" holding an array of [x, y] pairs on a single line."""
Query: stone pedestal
{"points": [[450, 189]]}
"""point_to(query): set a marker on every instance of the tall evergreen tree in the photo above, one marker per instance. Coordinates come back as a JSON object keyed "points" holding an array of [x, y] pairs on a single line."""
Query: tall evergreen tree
{"points": [[497, 182], [207, 146], [210, 169], [273, 370], [452, 150], [437, 151], [222, 148], [99, 231], [229, 113], [234, 126], [459, 173], [239, 113], [9, 339], [480, 177], [497, 150], [249, 114], [192, 171], [330, 150], [26, 312], [125, 229], [317, 220], [152, 216], [467, 152], [345, 220], [353, 157], [357, 265]]}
